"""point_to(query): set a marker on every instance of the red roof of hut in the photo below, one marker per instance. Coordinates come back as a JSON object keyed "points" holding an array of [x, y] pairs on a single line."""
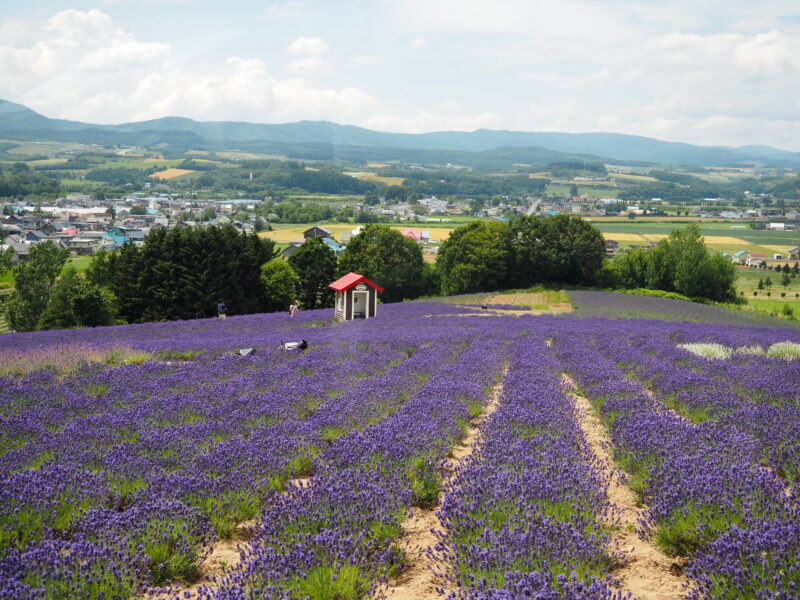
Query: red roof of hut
{"points": [[351, 280]]}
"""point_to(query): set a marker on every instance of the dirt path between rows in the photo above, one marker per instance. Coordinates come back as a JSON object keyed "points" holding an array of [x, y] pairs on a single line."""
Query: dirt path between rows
{"points": [[418, 580], [648, 573], [224, 558]]}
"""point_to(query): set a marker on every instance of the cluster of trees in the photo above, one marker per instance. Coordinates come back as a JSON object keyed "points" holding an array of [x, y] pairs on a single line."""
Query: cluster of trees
{"points": [[478, 257], [571, 168], [182, 273], [379, 253], [680, 263], [21, 180], [267, 176], [119, 176], [444, 183], [42, 300], [488, 256]]}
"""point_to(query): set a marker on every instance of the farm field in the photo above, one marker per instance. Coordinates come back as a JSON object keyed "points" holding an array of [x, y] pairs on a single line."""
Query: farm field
{"points": [[156, 460], [287, 233], [747, 279], [369, 176], [718, 236], [171, 173], [592, 189]]}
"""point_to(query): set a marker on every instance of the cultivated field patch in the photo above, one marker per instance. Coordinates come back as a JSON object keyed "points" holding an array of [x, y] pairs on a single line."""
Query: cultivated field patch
{"points": [[367, 176], [137, 478], [171, 173]]}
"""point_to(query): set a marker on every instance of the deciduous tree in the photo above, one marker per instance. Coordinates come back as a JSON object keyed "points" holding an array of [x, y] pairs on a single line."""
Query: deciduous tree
{"points": [[383, 255], [280, 284], [33, 282], [315, 265], [77, 302], [472, 259]]}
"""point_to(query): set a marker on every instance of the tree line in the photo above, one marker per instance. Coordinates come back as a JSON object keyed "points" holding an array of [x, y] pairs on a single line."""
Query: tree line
{"points": [[679, 263], [184, 272]]}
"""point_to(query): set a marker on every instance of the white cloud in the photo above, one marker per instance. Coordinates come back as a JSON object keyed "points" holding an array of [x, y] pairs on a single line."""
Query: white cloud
{"points": [[83, 67], [309, 46], [287, 10], [727, 75], [75, 42], [366, 59], [437, 119], [310, 65]]}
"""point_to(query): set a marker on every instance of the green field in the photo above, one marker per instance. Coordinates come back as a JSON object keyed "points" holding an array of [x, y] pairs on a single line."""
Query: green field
{"points": [[775, 308], [48, 148], [718, 235], [81, 263], [747, 282]]}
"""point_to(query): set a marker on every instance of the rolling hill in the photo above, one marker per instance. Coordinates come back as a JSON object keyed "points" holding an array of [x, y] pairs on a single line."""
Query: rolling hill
{"points": [[323, 140]]}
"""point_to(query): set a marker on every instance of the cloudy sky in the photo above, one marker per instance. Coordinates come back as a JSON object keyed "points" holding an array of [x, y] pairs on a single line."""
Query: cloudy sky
{"points": [[699, 71]]}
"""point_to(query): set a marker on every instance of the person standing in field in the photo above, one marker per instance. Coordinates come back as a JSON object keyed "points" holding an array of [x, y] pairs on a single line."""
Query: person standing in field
{"points": [[294, 308], [221, 310]]}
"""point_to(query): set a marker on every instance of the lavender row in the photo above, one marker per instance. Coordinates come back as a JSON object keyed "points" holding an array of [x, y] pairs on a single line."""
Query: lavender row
{"points": [[753, 393], [702, 483], [337, 537], [524, 516], [232, 438]]}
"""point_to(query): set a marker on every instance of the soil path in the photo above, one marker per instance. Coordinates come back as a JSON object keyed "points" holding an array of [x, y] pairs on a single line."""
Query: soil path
{"points": [[648, 573], [418, 580]]}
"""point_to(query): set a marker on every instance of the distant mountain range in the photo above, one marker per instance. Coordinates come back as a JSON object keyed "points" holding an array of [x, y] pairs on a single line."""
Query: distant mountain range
{"points": [[322, 140]]}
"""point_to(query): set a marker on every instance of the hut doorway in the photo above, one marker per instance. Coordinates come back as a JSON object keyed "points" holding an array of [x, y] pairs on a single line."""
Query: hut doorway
{"points": [[360, 307]]}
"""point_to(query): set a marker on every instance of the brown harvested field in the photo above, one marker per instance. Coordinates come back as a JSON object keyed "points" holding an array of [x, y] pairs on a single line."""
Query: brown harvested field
{"points": [[171, 173]]}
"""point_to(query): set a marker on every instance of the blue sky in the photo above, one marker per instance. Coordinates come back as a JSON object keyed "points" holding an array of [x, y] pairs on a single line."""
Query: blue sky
{"points": [[703, 72]]}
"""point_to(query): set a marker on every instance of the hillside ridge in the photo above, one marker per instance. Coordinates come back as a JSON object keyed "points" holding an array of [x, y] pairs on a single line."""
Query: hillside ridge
{"points": [[328, 140]]}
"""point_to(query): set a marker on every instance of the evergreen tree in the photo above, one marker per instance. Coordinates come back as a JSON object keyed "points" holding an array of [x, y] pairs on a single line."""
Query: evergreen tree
{"points": [[182, 273]]}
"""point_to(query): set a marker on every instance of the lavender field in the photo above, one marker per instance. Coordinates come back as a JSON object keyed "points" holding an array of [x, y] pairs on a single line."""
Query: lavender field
{"points": [[130, 455]]}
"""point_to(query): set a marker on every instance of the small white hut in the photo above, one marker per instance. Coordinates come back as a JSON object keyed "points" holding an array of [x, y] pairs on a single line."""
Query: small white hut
{"points": [[356, 297]]}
